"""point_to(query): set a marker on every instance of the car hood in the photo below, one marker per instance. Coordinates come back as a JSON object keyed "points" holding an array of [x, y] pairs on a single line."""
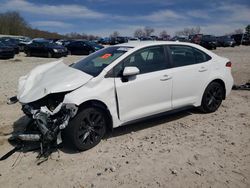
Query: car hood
{"points": [[49, 78]]}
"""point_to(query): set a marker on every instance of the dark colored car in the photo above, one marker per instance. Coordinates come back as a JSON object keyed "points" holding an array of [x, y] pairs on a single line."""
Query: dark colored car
{"points": [[6, 52], [118, 40], [226, 41], [81, 47], [43, 48], [63, 42], [208, 41], [146, 38], [241, 39], [180, 38], [22, 42], [104, 40], [11, 42]]}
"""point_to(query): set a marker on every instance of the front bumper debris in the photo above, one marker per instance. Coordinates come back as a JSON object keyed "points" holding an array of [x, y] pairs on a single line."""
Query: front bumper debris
{"points": [[46, 125]]}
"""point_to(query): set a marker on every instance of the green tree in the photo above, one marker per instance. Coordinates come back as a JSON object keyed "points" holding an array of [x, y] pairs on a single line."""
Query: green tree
{"points": [[248, 29]]}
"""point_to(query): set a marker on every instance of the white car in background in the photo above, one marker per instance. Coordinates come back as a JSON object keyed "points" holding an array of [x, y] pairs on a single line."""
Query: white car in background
{"points": [[119, 85]]}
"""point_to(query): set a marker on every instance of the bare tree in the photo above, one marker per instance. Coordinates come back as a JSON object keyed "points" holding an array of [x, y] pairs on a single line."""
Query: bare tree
{"points": [[139, 33], [163, 34], [148, 31], [189, 31], [115, 34], [238, 31]]}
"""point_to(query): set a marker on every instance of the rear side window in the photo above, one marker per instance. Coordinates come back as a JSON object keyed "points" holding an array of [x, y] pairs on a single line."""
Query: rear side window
{"points": [[186, 55]]}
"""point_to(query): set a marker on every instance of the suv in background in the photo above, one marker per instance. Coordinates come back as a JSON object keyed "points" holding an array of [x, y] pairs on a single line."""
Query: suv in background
{"points": [[226, 41], [82, 47], [208, 41], [243, 39]]}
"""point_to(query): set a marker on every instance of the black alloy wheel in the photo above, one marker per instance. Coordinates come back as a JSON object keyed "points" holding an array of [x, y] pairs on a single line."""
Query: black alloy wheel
{"points": [[212, 97], [87, 128]]}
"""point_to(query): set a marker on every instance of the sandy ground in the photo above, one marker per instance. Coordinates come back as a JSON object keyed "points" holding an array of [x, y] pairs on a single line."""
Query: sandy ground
{"points": [[187, 149]]}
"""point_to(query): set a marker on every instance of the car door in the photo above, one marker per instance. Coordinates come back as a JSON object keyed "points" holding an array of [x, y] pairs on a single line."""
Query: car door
{"points": [[190, 72], [149, 92]]}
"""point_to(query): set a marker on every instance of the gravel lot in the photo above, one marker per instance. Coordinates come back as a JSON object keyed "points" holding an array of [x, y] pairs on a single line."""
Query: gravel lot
{"points": [[187, 149]]}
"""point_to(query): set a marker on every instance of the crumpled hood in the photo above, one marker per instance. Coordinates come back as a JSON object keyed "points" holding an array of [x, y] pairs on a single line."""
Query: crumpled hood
{"points": [[49, 78]]}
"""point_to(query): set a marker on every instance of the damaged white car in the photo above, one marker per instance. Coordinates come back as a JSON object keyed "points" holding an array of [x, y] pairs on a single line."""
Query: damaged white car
{"points": [[119, 85]]}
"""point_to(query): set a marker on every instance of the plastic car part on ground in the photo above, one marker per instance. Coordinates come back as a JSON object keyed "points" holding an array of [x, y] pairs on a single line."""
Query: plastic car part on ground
{"points": [[245, 86]]}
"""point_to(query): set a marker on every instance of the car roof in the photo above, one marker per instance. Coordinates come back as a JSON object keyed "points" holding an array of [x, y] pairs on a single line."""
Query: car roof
{"points": [[140, 44]]}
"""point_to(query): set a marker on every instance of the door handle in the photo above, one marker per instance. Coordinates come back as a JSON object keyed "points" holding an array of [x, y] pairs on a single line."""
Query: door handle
{"points": [[202, 69], [166, 77]]}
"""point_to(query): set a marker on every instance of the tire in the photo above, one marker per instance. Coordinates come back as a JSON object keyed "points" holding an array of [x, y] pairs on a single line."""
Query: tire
{"points": [[86, 129], [49, 55], [28, 54], [212, 97], [69, 52]]}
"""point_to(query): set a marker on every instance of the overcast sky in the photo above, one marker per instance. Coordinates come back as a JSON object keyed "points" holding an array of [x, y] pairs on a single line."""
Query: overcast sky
{"points": [[102, 17]]}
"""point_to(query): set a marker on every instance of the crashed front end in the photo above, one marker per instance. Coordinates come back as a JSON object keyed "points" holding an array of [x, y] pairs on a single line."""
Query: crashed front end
{"points": [[49, 116], [41, 94]]}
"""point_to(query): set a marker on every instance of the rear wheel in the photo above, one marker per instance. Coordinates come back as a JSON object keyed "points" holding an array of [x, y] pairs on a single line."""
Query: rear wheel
{"points": [[87, 128], [212, 97]]}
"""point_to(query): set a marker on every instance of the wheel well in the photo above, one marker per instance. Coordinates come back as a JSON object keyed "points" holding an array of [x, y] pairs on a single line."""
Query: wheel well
{"points": [[103, 106], [219, 81]]}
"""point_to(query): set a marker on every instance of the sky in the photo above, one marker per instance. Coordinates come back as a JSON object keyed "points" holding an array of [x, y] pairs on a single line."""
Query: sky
{"points": [[103, 17]]}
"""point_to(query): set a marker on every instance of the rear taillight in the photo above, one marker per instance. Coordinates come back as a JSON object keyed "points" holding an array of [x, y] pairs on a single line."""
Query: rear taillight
{"points": [[229, 64]]}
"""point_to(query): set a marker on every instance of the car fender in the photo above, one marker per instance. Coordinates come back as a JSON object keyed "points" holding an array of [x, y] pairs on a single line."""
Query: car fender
{"points": [[102, 90], [215, 75]]}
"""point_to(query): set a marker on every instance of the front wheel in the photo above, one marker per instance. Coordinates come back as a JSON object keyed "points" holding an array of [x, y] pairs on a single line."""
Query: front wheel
{"points": [[212, 97], [87, 128]]}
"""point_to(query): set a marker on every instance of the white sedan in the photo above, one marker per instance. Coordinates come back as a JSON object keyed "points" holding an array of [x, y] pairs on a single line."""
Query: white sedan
{"points": [[119, 85]]}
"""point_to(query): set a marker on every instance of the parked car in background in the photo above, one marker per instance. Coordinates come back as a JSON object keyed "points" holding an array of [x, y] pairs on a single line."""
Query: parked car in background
{"points": [[243, 39], [180, 38], [196, 38], [110, 88], [225, 41], [209, 42], [63, 42], [43, 48], [6, 52], [145, 38], [104, 41], [24, 42], [133, 39], [11, 42], [118, 40], [82, 47]]}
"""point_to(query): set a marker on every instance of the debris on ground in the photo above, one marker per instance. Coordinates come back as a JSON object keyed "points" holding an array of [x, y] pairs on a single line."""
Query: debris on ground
{"points": [[245, 86]]}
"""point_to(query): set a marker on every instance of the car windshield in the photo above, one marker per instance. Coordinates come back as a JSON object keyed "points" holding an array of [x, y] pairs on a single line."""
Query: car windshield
{"points": [[95, 63]]}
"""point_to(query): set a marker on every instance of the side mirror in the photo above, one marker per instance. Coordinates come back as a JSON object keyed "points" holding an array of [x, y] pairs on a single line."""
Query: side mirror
{"points": [[130, 71]]}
